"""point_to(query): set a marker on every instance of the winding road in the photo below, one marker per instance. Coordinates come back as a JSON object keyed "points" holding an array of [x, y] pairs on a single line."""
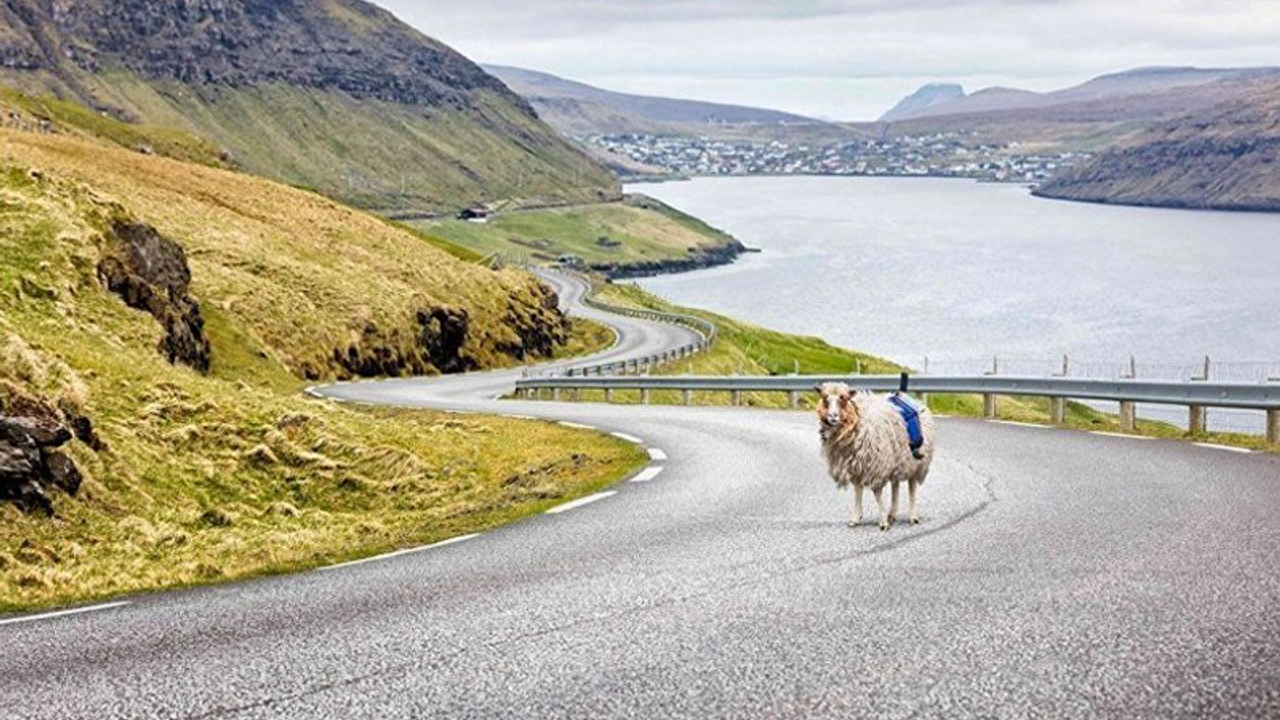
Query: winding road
{"points": [[1055, 574]]}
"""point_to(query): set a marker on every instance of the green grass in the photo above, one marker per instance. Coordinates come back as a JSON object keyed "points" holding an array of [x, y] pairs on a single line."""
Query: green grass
{"points": [[369, 153], [638, 230], [56, 115], [236, 473]]}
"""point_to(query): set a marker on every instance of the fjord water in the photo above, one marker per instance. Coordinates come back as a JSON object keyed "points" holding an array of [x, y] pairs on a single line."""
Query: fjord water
{"points": [[960, 271]]}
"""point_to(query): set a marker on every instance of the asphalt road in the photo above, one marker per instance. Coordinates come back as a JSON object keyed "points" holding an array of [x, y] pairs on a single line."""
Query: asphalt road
{"points": [[1055, 574]]}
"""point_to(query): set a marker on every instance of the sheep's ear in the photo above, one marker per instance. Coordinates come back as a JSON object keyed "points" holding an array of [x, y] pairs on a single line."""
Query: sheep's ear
{"points": [[817, 389]]}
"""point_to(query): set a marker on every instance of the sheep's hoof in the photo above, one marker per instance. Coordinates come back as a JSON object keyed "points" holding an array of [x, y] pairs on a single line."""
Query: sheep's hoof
{"points": [[853, 523], [915, 521], [893, 519], [884, 527]]}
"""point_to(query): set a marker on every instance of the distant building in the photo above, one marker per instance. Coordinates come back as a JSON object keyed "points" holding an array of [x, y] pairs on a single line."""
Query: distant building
{"points": [[477, 213]]}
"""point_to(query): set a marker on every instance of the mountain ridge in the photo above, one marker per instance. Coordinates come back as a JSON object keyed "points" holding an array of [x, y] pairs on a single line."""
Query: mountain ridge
{"points": [[576, 108], [336, 95]]}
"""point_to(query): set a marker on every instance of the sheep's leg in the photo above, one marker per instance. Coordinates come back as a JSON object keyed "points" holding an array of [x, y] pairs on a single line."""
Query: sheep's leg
{"points": [[893, 503], [856, 516], [911, 492], [884, 519]]}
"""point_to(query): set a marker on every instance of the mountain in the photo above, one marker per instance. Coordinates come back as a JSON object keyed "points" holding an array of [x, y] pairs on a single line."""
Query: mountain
{"points": [[337, 95], [920, 100], [1141, 81], [577, 109], [1226, 158]]}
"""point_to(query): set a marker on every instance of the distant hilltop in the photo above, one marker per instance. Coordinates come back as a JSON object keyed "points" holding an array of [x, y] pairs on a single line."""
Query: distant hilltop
{"points": [[926, 97], [1169, 86]]}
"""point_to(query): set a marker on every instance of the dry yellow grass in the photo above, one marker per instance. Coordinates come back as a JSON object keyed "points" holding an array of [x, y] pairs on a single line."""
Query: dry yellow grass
{"points": [[301, 274], [236, 474]]}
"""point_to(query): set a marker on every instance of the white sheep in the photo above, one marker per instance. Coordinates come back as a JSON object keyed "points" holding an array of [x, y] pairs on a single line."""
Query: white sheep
{"points": [[865, 441]]}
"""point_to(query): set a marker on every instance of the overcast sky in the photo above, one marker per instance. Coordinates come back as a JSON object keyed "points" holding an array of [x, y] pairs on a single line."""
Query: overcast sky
{"points": [[845, 59]]}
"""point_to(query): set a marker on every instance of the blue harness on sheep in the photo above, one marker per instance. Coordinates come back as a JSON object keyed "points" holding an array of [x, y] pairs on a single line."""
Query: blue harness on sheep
{"points": [[910, 412]]}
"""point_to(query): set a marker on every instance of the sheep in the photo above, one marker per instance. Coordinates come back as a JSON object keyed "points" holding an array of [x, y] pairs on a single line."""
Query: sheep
{"points": [[865, 442]]}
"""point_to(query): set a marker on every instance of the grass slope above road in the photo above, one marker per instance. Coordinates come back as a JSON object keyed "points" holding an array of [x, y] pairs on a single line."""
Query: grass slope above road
{"points": [[745, 349], [193, 478], [634, 235]]}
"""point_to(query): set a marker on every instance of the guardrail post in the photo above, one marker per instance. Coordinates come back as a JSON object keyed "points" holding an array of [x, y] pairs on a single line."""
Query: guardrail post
{"points": [[1196, 420], [989, 406], [1128, 415], [737, 398], [644, 396], [793, 399], [688, 396], [1273, 426], [555, 393], [608, 395], [1057, 410]]}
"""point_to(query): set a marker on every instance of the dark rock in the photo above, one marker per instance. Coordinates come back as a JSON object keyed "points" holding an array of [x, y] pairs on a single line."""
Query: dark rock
{"points": [[28, 462], [149, 272], [20, 467], [442, 333], [37, 432], [17, 463], [62, 472], [82, 428]]}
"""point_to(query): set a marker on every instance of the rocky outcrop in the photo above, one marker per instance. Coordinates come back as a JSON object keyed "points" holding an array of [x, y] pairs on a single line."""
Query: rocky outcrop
{"points": [[346, 45], [31, 465], [149, 272], [437, 340]]}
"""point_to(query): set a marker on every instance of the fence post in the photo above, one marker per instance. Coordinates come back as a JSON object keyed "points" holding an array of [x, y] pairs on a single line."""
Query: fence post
{"points": [[688, 396], [737, 398], [1128, 415], [1196, 420], [793, 399], [1273, 426], [1057, 410]]}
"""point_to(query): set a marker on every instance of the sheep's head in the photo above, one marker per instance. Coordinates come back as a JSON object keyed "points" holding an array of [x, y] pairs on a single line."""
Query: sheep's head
{"points": [[836, 407]]}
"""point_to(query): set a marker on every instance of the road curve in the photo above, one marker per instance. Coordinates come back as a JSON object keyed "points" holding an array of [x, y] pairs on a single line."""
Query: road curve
{"points": [[1055, 574]]}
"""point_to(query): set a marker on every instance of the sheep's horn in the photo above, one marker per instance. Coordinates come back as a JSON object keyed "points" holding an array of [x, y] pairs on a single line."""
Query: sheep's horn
{"points": [[817, 389]]}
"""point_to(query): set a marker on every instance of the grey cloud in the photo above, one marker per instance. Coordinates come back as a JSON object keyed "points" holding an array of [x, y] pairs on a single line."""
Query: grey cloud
{"points": [[846, 58]]}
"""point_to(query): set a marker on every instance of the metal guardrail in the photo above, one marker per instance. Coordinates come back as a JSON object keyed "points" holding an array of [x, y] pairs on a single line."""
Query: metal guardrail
{"points": [[1195, 395], [705, 329]]}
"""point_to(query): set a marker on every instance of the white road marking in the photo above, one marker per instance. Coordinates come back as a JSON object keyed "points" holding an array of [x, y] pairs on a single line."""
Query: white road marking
{"points": [[1228, 448], [648, 473], [406, 551], [580, 502], [520, 417], [657, 454], [1120, 435], [628, 438], [579, 426], [1019, 424], [61, 613]]}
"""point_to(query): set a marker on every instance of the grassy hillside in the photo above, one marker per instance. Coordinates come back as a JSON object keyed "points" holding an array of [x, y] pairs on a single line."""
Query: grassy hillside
{"points": [[339, 96], [311, 281], [51, 115], [191, 477], [635, 236], [1220, 159]]}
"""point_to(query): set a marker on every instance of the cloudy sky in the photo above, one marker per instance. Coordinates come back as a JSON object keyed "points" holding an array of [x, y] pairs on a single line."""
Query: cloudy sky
{"points": [[845, 59]]}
